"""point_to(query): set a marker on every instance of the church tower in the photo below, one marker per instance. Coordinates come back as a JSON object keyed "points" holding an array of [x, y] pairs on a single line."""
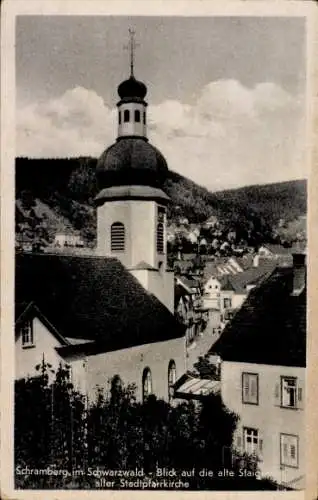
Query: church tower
{"points": [[131, 205]]}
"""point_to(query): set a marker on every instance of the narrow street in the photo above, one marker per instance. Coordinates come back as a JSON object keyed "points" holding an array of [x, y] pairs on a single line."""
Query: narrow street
{"points": [[200, 346]]}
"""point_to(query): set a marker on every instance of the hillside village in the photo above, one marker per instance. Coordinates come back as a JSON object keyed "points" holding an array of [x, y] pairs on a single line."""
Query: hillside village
{"points": [[182, 308]]}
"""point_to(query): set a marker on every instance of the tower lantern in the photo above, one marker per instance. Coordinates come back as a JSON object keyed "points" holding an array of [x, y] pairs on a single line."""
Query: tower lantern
{"points": [[132, 118]]}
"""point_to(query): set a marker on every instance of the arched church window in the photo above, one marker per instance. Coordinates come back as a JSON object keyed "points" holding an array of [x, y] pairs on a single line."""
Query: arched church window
{"points": [[144, 117], [137, 115], [119, 116], [126, 115], [172, 377], [160, 238], [146, 383], [117, 237]]}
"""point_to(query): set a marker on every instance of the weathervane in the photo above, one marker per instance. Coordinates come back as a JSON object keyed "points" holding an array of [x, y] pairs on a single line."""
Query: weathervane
{"points": [[131, 46]]}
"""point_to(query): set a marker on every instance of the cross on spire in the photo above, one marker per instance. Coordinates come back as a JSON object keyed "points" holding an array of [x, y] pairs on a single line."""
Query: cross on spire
{"points": [[131, 47]]}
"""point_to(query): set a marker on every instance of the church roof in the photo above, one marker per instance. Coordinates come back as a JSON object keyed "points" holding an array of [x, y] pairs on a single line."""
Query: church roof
{"points": [[92, 298], [131, 161], [270, 327]]}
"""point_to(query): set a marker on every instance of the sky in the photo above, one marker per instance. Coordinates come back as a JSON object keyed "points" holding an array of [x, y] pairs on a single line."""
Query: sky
{"points": [[226, 95]]}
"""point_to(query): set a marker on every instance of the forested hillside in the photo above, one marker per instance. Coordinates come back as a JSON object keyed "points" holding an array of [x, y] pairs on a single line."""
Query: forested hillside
{"points": [[65, 190]]}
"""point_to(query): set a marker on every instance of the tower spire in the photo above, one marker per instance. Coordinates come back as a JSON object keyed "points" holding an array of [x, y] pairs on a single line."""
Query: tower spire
{"points": [[131, 47]]}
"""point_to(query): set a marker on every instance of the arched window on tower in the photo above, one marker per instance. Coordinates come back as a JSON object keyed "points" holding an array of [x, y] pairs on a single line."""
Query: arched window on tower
{"points": [[160, 238], [119, 117], [137, 115], [172, 377], [144, 117], [117, 237], [146, 383], [126, 115]]}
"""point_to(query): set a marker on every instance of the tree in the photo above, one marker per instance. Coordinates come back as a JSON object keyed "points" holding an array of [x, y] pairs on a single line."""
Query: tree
{"points": [[54, 428]]}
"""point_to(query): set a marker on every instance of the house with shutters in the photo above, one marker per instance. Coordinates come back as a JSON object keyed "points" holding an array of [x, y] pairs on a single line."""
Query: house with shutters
{"points": [[263, 372], [112, 312]]}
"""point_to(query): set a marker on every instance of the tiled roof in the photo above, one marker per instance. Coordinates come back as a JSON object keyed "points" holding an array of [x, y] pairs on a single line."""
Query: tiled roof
{"points": [[251, 276], [93, 298], [281, 250], [270, 327]]}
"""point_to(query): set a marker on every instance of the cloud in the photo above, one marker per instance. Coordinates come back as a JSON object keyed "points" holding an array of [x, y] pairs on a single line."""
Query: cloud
{"points": [[231, 135]]}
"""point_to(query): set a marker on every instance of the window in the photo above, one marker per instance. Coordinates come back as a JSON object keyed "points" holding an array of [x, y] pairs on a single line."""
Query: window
{"points": [[137, 115], [227, 303], [126, 115], [27, 334], [250, 388], [289, 392], [119, 117], [117, 237], [172, 376], [144, 117], [289, 450], [252, 443], [160, 238], [146, 383]]}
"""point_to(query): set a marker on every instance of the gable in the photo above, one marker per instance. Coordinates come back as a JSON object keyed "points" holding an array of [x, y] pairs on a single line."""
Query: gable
{"points": [[212, 284], [30, 313]]}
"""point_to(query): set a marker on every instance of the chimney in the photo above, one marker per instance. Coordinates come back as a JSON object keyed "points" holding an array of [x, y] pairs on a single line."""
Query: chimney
{"points": [[299, 273]]}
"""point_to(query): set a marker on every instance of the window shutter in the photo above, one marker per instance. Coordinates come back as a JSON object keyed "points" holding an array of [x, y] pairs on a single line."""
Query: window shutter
{"points": [[300, 397], [285, 451], [260, 449], [239, 442], [253, 387], [277, 394], [260, 445]]}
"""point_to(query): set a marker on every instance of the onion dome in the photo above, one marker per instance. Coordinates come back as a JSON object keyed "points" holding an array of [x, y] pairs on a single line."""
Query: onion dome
{"points": [[132, 88], [131, 161]]}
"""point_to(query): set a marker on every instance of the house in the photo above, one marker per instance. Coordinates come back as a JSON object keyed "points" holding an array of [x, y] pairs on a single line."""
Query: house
{"points": [[228, 292], [263, 371], [211, 222], [111, 313], [68, 240]]}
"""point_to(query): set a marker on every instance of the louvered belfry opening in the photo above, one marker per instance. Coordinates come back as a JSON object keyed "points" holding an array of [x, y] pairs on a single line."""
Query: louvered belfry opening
{"points": [[160, 238], [117, 237]]}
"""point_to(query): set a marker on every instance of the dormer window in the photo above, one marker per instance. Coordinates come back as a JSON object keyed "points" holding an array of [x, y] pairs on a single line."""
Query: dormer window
{"points": [[27, 334]]}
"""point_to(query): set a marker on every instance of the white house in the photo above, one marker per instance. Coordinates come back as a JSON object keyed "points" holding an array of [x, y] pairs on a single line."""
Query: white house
{"points": [[263, 372], [68, 240], [229, 291]]}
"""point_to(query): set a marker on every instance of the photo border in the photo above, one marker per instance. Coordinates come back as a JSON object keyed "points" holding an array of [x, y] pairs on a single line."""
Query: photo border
{"points": [[12, 8]]}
